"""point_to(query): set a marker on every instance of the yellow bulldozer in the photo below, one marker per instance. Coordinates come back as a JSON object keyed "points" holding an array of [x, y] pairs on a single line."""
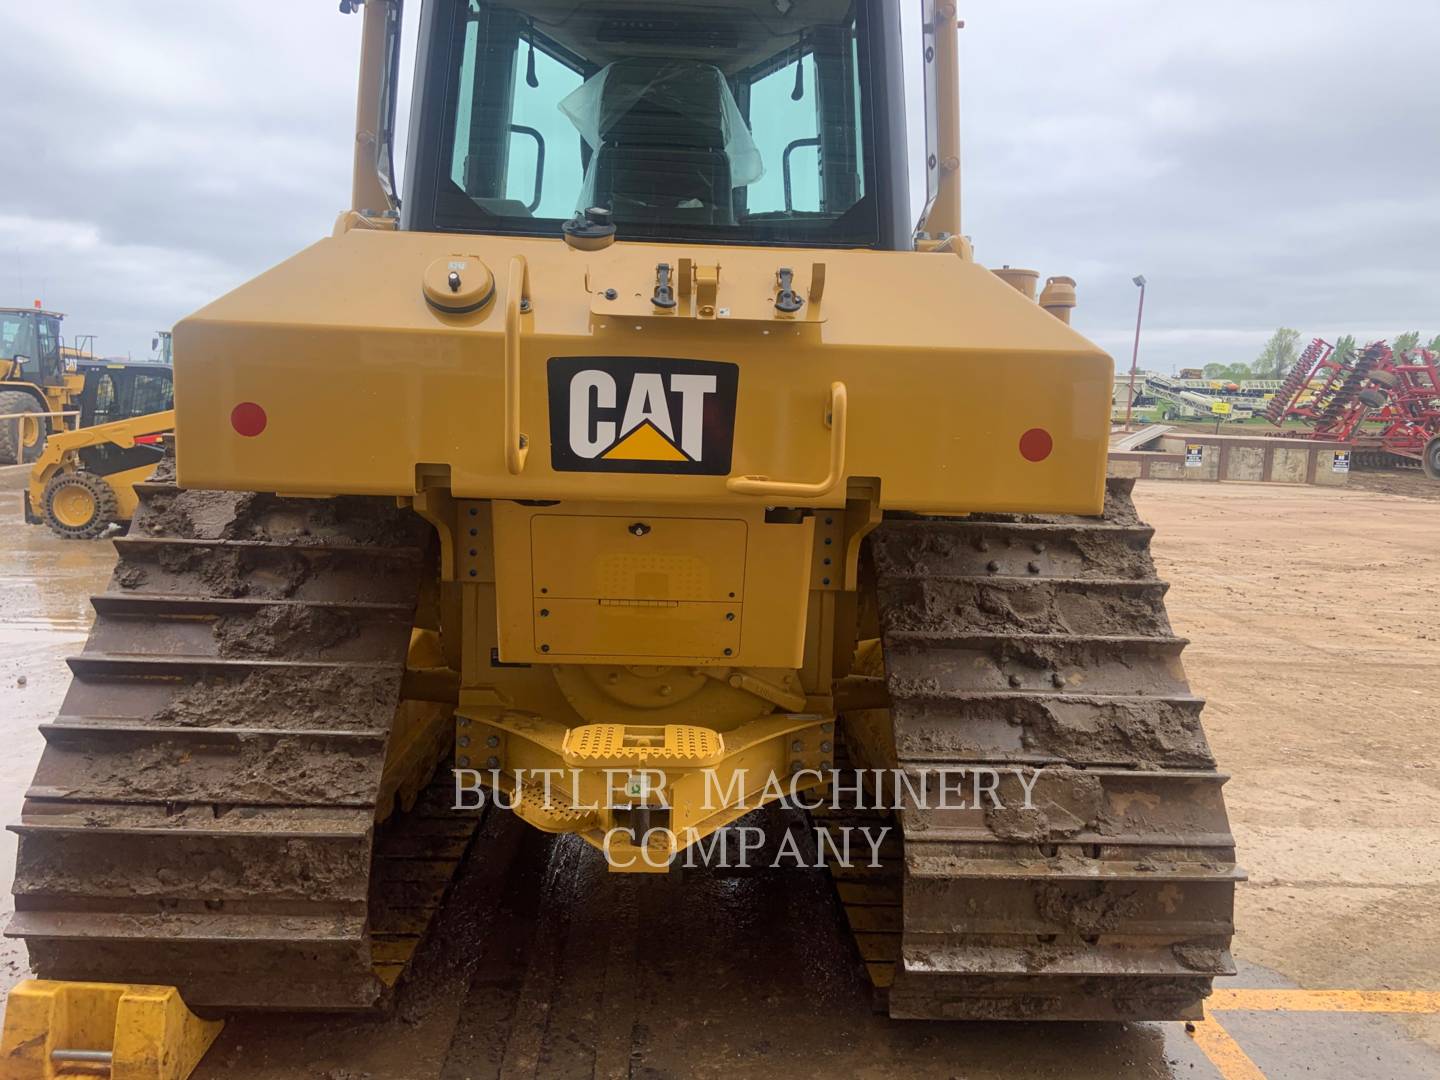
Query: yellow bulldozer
{"points": [[656, 440]]}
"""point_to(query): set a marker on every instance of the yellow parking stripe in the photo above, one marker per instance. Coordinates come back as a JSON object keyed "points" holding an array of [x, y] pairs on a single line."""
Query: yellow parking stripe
{"points": [[1375, 1001], [1224, 1052], [1232, 1062]]}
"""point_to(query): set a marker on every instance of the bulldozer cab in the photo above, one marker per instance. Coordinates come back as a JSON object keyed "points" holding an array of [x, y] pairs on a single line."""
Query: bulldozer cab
{"points": [[30, 346], [747, 123]]}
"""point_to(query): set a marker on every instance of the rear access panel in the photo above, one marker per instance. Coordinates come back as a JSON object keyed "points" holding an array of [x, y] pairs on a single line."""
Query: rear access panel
{"points": [[575, 587]]}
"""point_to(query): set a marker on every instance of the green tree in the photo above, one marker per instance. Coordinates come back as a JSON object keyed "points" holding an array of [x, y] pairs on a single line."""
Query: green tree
{"points": [[1434, 345], [1403, 343], [1229, 372], [1279, 354], [1344, 349]]}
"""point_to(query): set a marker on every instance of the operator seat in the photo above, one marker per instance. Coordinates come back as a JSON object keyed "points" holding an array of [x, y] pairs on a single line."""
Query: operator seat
{"points": [[662, 129]]}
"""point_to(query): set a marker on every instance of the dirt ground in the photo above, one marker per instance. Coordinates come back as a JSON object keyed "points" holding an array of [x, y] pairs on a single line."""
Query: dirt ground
{"points": [[1412, 483], [1316, 637], [1317, 640]]}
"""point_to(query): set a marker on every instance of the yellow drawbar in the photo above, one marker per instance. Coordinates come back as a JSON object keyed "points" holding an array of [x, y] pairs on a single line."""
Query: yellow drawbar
{"points": [[139, 1032]]}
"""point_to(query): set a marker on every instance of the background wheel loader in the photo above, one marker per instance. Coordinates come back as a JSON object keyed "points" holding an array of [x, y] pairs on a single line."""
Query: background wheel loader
{"points": [[37, 376], [84, 480], [626, 492]]}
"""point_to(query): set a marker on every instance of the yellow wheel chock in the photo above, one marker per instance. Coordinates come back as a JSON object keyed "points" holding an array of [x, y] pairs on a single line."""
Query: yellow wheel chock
{"points": [[55, 1030]]}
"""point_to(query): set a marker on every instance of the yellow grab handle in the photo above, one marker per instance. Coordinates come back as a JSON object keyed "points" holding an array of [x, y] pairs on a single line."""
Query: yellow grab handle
{"points": [[517, 302], [763, 485]]}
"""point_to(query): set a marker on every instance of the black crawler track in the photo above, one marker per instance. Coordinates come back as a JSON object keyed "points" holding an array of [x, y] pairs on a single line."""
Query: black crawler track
{"points": [[1042, 644], [203, 814]]}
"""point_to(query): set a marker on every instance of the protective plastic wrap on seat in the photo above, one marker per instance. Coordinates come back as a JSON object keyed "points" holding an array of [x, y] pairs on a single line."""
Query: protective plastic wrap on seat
{"points": [[679, 103]]}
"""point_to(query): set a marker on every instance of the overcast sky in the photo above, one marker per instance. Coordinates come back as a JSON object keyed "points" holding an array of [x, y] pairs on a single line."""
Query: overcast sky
{"points": [[1263, 163]]}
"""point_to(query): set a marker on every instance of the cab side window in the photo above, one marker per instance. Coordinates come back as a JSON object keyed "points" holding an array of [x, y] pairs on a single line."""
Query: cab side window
{"points": [[49, 348], [104, 406], [153, 393]]}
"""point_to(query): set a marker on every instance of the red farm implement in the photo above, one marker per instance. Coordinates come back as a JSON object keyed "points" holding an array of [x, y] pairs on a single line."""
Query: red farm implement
{"points": [[1386, 406]]}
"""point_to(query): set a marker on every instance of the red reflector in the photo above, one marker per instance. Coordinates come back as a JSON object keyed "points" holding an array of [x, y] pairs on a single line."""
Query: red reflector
{"points": [[1036, 444], [248, 419], [148, 440]]}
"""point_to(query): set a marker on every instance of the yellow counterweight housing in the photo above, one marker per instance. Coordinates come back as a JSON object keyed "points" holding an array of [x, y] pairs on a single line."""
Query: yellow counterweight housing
{"points": [[946, 369]]}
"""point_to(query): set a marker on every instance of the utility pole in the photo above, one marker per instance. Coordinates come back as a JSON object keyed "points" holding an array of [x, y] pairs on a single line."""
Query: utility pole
{"points": [[1139, 280]]}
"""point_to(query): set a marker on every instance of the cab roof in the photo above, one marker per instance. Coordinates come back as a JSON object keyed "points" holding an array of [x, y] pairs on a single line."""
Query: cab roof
{"points": [[30, 311]]}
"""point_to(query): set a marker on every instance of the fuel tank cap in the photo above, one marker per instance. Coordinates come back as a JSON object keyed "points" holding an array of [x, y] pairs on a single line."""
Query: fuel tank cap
{"points": [[458, 284]]}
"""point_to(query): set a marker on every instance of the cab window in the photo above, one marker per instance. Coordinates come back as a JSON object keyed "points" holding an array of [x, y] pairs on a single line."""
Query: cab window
{"points": [[734, 123], [152, 393]]}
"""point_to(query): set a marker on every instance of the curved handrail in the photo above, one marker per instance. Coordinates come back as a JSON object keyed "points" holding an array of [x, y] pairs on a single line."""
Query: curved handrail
{"points": [[517, 302], [839, 422]]}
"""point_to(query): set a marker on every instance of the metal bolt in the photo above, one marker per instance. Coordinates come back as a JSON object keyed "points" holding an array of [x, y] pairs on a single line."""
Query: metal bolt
{"points": [[474, 552], [825, 747], [666, 690], [611, 294], [1058, 679], [729, 652], [639, 529], [825, 581], [464, 762], [544, 612], [493, 741], [474, 532], [1033, 567], [797, 746], [474, 573], [1039, 549], [492, 762], [1014, 680], [729, 616], [824, 766], [474, 511], [993, 566], [544, 648], [464, 721], [982, 545], [827, 728], [795, 766], [464, 740]]}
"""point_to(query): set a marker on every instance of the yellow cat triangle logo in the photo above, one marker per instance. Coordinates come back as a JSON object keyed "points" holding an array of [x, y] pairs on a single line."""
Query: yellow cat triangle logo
{"points": [[645, 443]]}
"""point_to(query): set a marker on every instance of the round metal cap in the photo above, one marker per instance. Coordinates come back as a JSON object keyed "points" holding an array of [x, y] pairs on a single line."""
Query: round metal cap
{"points": [[458, 284]]}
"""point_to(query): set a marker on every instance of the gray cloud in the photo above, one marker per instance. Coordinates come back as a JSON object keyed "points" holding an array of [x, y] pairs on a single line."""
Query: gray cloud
{"points": [[1263, 163]]}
